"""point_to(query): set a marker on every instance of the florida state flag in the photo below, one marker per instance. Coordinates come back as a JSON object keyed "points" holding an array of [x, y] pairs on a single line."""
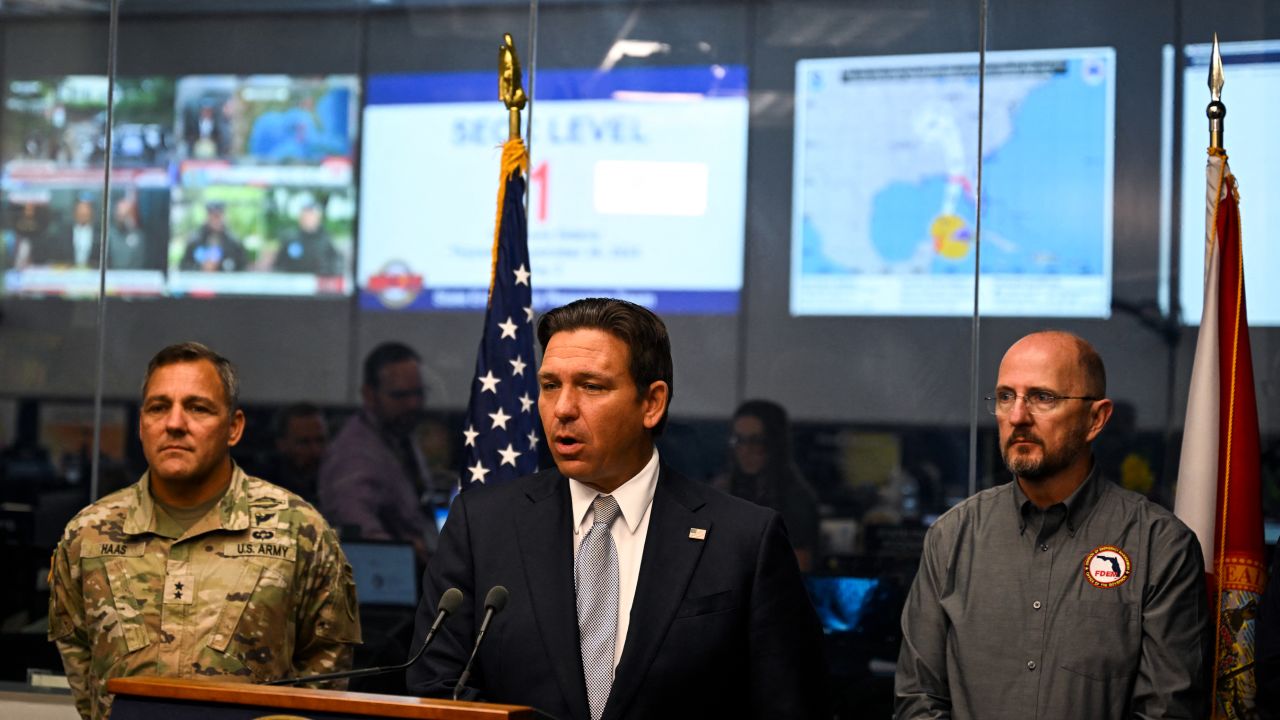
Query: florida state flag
{"points": [[1219, 491]]}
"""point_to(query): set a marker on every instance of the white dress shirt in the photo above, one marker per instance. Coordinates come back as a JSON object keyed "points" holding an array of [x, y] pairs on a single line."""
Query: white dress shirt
{"points": [[81, 243], [634, 497]]}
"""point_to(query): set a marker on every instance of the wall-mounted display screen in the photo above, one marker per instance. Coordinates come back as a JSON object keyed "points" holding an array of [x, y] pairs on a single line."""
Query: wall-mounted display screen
{"points": [[221, 185], [54, 148], [637, 187], [1252, 97], [885, 180]]}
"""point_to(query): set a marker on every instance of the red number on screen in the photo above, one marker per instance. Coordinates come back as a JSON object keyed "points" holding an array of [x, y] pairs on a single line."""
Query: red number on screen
{"points": [[539, 177]]}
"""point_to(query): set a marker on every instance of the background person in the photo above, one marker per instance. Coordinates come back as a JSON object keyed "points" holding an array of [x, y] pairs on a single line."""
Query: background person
{"points": [[213, 248], [374, 482], [126, 245], [301, 437], [308, 247], [76, 245], [763, 471]]}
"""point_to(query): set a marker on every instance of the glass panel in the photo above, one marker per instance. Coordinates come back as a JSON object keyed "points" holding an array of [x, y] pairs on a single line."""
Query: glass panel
{"points": [[1070, 232], [1141, 173], [52, 160], [1249, 35], [860, 289], [792, 186], [1095, 168]]}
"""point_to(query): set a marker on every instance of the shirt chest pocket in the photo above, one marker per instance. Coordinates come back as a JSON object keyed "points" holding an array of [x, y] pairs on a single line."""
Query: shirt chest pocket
{"points": [[254, 627], [127, 599], [1100, 640]]}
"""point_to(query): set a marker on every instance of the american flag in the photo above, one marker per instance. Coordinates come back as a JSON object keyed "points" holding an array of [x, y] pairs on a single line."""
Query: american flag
{"points": [[503, 429]]}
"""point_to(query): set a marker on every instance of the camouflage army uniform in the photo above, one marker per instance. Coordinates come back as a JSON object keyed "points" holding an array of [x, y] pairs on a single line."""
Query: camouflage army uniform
{"points": [[255, 590]]}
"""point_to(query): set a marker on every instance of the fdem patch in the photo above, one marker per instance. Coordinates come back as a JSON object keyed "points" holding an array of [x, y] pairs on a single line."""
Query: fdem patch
{"points": [[1107, 566]]}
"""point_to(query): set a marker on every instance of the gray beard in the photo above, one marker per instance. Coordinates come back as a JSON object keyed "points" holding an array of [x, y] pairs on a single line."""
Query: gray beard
{"points": [[1049, 463]]}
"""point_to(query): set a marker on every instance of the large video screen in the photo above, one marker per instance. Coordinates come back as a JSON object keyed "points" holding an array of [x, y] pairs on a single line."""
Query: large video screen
{"points": [[1252, 97], [637, 188], [221, 185], [885, 178], [54, 148]]}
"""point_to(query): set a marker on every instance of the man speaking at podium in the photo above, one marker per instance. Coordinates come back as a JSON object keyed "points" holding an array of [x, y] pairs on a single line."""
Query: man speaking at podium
{"points": [[634, 592]]}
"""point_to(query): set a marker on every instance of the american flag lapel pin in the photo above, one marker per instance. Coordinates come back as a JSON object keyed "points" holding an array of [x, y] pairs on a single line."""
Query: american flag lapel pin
{"points": [[697, 533]]}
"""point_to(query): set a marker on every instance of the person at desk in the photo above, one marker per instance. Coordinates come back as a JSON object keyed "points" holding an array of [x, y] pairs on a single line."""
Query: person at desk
{"points": [[1058, 595], [301, 436], [764, 472], [197, 570], [374, 482], [634, 592]]}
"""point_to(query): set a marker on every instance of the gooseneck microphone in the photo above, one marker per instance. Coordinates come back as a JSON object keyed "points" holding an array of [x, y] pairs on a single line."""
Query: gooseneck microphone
{"points": [[493, 604], [449, 603]]}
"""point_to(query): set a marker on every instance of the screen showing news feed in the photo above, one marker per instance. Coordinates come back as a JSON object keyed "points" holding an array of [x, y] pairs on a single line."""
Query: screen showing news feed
{"points": [[220, 185]]}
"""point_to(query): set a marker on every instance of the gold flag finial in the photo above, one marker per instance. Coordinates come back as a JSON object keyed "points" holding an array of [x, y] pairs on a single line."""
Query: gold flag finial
{"points": [[510, 88], [1216, 111]]}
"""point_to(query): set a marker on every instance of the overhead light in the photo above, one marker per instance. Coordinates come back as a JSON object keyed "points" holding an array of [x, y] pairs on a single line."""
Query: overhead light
{"points": [[634, 49]]}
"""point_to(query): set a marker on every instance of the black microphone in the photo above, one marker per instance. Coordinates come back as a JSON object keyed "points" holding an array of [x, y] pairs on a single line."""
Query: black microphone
{"points": [[493, 604], [449, 603]]}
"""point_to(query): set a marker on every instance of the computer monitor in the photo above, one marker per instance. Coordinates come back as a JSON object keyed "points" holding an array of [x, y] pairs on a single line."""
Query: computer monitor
{"points": [[385, 573], [841, 602]]}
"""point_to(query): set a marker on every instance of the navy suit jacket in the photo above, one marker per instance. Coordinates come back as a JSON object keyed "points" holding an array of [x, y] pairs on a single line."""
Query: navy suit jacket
{"points": [[720, 626]]}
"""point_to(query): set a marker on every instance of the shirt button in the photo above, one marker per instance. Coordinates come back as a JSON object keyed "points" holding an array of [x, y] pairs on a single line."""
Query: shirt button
{"points": [[1031, 664], [1044, 548], [1036, 604]]}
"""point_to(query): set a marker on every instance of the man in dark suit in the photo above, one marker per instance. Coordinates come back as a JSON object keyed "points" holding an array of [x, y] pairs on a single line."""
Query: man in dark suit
{"points": [[634, 593], [77, 244]]}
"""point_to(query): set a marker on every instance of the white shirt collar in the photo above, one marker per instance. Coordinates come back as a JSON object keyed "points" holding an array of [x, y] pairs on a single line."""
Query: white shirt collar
{"points": [[634, 496]]}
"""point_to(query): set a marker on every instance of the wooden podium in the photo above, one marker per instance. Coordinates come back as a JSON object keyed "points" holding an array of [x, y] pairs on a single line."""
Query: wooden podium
{"points": [[154, 698]]}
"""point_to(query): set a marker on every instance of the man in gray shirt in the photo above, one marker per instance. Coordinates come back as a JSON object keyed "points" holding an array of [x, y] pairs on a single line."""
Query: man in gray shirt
{"points": [[1058, 595]]}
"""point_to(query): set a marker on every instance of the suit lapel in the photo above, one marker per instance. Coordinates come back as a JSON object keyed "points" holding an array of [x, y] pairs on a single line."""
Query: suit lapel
{"points": [[546, 547], [667, 564]]}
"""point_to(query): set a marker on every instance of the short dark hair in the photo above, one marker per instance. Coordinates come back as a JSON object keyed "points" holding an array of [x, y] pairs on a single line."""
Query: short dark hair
{"points": [[280, 421], [388, 353], [643, 332], [1095, 373], [192, 351]]}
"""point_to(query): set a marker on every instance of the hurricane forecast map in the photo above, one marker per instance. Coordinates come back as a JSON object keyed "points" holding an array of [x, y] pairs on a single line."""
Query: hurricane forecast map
{"points": [[885, 179]]}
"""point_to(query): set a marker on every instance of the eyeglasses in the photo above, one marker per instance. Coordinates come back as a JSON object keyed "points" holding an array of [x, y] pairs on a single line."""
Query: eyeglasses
{"points": [[736, 440], [1037, 401]]}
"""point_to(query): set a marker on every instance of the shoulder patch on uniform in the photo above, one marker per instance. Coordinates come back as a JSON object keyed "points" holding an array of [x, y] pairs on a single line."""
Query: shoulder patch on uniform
{"points": [[269, 500], [1107, 566]]}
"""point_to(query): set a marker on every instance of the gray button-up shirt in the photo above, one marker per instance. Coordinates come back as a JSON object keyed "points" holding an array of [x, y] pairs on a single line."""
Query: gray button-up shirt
{"points": [[1093, 608]]}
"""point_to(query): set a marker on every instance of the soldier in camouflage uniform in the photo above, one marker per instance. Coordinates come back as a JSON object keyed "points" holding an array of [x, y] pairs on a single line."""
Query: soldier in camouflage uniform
{"points": [[197, 570]]}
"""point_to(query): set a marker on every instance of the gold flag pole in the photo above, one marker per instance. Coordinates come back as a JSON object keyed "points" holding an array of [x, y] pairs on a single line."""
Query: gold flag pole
{"points": [[510, 86], [1216, 110], [515, 158]]}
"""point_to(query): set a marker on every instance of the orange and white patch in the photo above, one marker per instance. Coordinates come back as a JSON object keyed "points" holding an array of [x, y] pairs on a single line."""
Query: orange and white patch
{"points": [[1107, 566]]}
